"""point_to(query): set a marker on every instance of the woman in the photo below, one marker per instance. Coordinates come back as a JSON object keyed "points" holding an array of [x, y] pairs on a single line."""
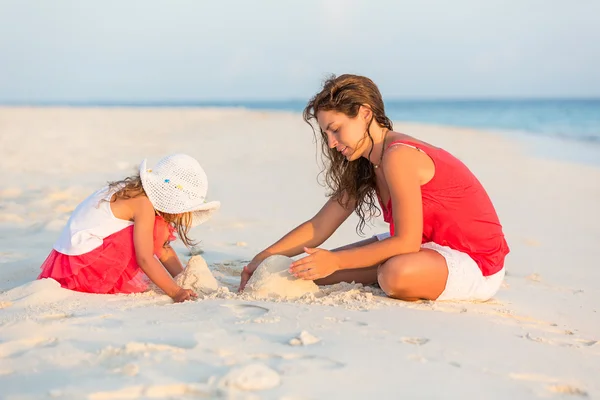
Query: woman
{"points": [[445, 240]]}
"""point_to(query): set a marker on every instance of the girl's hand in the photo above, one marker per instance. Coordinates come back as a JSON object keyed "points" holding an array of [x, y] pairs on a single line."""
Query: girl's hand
{"points": [[183, 295], [318, 264]]}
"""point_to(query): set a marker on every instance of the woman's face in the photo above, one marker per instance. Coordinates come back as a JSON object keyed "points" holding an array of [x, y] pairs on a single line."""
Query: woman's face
{"points": [[346, 134]]}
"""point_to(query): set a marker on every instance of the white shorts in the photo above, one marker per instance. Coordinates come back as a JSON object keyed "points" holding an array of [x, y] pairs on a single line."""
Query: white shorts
{"points": [[465, 280]]}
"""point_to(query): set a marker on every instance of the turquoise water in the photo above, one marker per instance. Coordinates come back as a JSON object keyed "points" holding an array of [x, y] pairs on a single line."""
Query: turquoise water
{"points": [[570, 119], [561, 118], [560, 129]]}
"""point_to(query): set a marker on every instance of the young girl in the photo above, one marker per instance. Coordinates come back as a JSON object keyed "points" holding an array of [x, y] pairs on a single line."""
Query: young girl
{"points": [[445, 241], [116, 237]]}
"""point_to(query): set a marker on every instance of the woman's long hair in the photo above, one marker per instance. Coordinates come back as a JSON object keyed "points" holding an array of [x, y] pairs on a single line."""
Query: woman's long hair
{"points": [[349, 180]]}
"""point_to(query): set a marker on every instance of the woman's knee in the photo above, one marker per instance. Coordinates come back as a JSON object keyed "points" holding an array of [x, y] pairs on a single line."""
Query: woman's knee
{"points": [[395, 278], [414, 276]]}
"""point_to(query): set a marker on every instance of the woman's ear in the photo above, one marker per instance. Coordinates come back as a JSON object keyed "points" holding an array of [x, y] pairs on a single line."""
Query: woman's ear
{"points": [[366, 113]]}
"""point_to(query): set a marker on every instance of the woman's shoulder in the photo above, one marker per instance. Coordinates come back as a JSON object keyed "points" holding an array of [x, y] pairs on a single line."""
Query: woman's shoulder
{"points": [[407, 156], [399, 145], [396, 138]]}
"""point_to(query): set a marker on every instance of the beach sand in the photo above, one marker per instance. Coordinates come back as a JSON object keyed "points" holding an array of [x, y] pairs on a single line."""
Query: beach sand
{"points": [[538, 338]]}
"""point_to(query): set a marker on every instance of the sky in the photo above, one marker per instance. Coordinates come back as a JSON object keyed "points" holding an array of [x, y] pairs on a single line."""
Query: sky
{"points": [[219, 50]]}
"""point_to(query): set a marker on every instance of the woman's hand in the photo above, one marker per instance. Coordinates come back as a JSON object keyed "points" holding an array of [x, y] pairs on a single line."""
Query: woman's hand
{"points": [[318, 264], [183, 295], [249, 270]]}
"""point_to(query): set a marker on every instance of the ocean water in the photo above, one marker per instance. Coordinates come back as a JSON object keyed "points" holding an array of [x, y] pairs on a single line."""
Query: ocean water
{"points": [[569, 119], [575, 119], [567, 129]]}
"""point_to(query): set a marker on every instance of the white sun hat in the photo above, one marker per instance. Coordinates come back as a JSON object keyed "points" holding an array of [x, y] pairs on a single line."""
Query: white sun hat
{"points": [[178, 184]]}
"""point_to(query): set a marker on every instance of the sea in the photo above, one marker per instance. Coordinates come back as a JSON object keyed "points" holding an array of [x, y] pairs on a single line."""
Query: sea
{"points": [[566, 119], [565, 129]]}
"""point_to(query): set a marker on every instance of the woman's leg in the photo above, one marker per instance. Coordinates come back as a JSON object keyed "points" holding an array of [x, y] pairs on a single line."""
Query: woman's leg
{"points": [[410, 277], [414, 276], [366, 276]]}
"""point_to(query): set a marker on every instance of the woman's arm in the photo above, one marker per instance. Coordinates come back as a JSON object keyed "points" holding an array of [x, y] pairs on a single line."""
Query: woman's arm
{"points": [[401, 168], [310, 233]]}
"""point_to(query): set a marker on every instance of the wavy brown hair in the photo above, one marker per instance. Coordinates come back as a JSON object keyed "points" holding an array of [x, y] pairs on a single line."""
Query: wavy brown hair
{"points": [[349, 180], [132, 187]]}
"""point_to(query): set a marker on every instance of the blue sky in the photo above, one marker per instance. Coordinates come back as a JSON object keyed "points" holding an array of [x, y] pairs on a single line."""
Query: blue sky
{"points": [[195, 50]]}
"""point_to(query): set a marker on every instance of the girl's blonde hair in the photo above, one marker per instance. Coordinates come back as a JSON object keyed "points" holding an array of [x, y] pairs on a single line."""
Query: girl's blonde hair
{"points": [[132, 187]]}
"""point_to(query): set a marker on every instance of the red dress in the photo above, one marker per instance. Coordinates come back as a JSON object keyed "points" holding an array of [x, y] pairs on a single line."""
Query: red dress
{"points": [[109, 268]]}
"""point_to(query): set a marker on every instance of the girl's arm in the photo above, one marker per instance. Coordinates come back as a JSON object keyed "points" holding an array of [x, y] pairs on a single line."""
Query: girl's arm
{"points": [[401, 168], [311, 233], [143, 240], [171, 261]]}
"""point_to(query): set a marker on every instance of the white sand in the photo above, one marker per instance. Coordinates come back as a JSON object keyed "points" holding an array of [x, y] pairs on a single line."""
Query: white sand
{"points": [[537, 338], [272, 279]]}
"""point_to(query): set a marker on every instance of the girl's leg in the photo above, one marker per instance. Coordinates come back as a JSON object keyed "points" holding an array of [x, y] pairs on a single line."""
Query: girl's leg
{"points": [[366, 276], [414, 276]]}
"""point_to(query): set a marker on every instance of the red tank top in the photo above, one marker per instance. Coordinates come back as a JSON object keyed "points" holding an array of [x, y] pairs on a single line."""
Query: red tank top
{"points": [[457, 212]]}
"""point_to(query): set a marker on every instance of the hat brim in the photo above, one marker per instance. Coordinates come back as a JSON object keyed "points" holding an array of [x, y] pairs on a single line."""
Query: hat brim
{"points": [[205, 212], [144, 173]]}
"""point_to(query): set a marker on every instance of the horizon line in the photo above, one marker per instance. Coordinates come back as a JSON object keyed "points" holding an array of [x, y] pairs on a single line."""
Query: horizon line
{"points": [[244, 102]]}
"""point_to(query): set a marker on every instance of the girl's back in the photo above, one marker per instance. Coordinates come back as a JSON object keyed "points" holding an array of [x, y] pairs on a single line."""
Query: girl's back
{"points": [[91, 222]]}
